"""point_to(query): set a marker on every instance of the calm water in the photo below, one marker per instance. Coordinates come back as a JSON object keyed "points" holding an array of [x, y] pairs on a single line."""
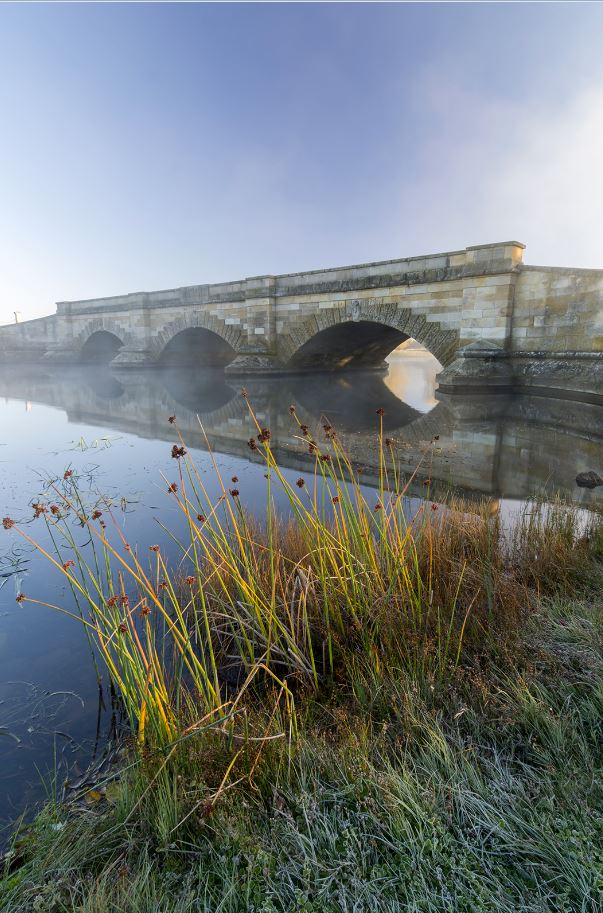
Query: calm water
{"points": [[114, 433]]}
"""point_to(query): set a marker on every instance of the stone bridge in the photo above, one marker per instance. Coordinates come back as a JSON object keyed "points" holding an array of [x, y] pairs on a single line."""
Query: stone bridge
{"points": [[485, 315]]}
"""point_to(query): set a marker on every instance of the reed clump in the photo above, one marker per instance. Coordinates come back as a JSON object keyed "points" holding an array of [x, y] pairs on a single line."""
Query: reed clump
{"points": [[353, 577], [362, 699]]}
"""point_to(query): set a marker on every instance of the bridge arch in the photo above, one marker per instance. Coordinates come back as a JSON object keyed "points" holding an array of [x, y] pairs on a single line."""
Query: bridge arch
{"points": [[197, 347], [361, 333], [197, 339], [99, 341], [100, 348]]}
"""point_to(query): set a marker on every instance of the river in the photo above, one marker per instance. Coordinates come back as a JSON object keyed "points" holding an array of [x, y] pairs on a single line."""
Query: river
{"points": [[113, 432]]}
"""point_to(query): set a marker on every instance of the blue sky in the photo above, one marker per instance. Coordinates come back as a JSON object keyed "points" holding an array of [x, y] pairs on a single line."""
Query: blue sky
{"points": [[146, 146]]}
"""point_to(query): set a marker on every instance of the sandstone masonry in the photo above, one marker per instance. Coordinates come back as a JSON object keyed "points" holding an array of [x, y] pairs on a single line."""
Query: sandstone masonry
{"points": [[486, 316]]}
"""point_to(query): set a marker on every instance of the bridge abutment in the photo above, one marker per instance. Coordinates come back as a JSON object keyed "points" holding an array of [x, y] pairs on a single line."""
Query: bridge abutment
{"points": [[571, 375]]}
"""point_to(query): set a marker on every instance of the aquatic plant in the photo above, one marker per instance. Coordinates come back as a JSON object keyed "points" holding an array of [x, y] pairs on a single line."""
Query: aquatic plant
{"points": [[371, 701], [356, 579]]}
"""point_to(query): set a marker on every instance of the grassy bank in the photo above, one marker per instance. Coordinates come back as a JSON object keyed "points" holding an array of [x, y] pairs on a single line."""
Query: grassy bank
{"points": [[365, 707]]}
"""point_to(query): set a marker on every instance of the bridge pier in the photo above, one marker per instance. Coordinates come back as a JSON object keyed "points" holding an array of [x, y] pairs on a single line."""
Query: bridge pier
{"points": [[254, 361], [132, 356], [479, 363], [257, 353], [60, 355]]}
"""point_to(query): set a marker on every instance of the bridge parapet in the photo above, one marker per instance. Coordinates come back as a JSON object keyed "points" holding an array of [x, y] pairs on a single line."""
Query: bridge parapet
{"points": [[480, 260]]}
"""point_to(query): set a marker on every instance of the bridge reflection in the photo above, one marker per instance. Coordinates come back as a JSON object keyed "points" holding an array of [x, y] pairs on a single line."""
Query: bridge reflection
{"points": [[499, 445]]}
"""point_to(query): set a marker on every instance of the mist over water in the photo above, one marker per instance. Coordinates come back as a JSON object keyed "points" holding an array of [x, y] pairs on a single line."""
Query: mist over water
{"points": [[113, 431]]}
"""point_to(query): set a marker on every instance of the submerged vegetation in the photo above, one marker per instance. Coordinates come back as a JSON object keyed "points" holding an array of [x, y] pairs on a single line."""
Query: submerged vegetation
{"points": [[372, 703]]}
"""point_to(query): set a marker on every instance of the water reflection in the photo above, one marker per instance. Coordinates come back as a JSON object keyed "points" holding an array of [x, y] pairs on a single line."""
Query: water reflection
{"points": [[500, 445], [113, 429], [412, 376]]}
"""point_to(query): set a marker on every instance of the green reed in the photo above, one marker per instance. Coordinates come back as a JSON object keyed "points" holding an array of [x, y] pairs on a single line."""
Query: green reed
{"points": [[354, 579]]}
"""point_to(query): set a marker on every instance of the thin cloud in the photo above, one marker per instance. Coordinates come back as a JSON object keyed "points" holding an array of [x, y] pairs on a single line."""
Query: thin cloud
{"points": [[498, 171]]}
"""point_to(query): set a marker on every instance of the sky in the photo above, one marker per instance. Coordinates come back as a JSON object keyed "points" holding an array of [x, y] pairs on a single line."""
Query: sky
{"points": [[148, 146]]}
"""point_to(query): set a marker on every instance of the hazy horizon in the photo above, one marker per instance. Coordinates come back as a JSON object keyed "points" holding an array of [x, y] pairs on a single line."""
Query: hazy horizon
{"points": [[154, 146]]}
